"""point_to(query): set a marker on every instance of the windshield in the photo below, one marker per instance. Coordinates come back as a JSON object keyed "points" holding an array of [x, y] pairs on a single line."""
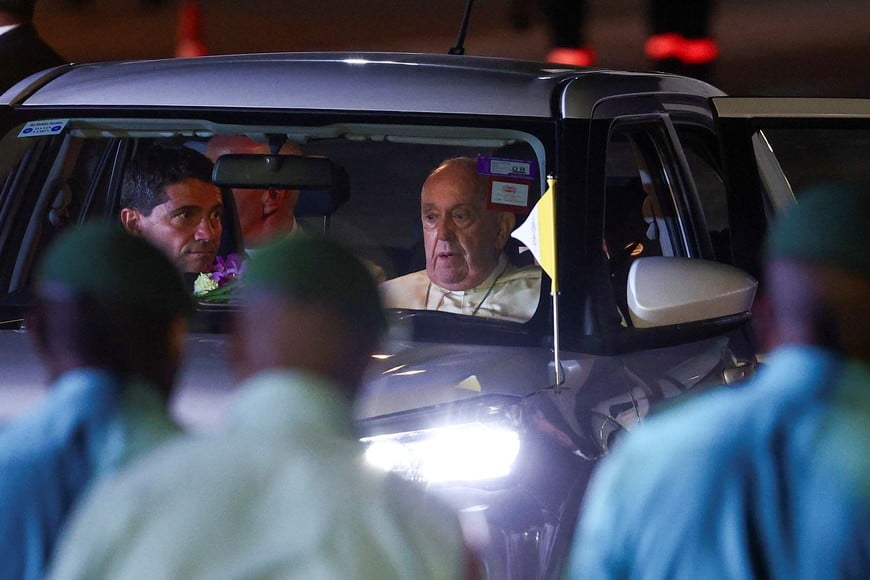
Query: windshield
{"points": [[439, 243]]}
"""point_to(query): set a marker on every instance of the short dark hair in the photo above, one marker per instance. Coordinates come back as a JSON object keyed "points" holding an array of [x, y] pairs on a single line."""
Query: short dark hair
{"points": [[156, 166]]}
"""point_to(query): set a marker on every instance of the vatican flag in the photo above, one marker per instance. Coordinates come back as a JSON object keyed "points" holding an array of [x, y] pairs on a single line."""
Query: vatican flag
{"points": [[538, 233]]}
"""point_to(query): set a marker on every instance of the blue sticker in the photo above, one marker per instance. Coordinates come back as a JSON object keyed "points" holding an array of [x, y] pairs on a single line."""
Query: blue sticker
{"points": [[44, 127]]}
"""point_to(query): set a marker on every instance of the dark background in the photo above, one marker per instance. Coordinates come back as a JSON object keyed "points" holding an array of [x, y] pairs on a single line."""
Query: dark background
{"points": [[768, 47]]}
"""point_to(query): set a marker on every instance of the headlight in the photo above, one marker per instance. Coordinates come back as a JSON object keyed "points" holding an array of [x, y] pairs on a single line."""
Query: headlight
{"points": [[466, 452]]}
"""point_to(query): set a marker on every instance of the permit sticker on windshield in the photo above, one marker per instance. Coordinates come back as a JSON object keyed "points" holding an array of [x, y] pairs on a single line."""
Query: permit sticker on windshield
{"points": [[43, 128], [508, 193], [514, 168], [510, 182]]}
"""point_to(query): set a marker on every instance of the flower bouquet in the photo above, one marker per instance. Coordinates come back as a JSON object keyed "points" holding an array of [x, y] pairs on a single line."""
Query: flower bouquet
{"points": [[221, 285]]}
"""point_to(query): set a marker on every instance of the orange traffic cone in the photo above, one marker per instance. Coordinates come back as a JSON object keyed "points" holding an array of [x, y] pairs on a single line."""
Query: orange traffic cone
{"points": [[189, 35]]}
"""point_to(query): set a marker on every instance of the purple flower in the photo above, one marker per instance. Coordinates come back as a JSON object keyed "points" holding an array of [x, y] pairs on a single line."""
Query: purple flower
{"points": [[227, 269]]}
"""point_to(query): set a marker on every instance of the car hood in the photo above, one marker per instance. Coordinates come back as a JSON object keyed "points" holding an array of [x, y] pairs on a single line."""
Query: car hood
{"points": [[408, 375]]}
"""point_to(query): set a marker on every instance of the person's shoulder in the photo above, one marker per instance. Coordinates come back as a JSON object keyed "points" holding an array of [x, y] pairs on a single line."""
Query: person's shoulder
{"points": [[528, 272], [419, 277], [26, 36], [406, 291], [49, 427]]}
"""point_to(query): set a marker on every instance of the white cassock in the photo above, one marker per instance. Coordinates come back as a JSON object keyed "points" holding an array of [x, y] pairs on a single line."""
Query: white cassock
{"points": [[509, 293]]}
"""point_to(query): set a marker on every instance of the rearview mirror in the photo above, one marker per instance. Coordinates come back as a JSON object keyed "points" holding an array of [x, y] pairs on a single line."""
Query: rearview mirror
{"points": [[274, 172]]}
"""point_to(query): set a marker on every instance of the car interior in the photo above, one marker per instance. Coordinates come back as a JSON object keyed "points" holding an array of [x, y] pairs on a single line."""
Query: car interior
{"points": [[371, 202]]}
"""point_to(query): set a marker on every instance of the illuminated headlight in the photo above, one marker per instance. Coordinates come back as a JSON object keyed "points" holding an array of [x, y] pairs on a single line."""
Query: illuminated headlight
{"points": [[470, 452]]}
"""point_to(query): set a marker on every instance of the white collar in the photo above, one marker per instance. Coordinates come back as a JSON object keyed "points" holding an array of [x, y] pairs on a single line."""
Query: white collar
{"points": [[490, 281]]}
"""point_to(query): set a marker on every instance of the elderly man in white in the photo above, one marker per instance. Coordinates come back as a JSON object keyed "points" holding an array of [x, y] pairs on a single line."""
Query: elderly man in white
{"points": [[467, 271]]}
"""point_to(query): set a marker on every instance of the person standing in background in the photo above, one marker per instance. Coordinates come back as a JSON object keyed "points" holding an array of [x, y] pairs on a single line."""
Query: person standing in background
{"points": [[22, 51]]}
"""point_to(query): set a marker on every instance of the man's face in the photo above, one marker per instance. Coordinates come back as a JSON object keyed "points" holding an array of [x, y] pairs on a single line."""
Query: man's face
{"points": [[263, 213], [462, 238], [187, 226]]}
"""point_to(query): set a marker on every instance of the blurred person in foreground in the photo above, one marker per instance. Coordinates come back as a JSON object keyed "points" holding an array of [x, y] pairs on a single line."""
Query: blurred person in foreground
{"points": [[467, 270], [109, 320], [22, 51], [169, 199], [283, 492], [770, 479], [264, 214]]}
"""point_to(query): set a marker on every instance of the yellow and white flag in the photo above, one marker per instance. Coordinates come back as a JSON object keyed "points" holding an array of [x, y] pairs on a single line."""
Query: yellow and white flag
{"points": [[538, 232]]}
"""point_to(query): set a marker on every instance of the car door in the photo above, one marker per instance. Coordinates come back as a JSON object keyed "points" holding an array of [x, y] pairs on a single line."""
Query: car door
{"points": [[650, 207]]}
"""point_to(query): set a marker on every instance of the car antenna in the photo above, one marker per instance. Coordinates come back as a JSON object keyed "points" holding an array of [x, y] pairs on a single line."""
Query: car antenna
{"points": [[463, 30]]}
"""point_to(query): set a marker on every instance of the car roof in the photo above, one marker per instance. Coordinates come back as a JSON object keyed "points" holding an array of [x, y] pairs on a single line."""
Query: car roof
{"points": [[402, 82]]}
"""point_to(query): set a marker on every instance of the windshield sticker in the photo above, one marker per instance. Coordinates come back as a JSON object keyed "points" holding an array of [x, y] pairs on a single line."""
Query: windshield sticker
{"points": [[515, 168], [42, 128], [512, 194]]}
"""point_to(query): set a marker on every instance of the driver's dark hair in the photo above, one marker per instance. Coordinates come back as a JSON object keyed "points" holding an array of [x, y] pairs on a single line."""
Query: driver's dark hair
{"points": [[157, 165], [107, 334]]}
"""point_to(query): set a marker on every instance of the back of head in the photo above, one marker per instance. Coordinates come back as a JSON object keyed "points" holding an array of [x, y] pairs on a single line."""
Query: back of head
{"points": [[315, 275], [154, 167], [224, 144], [818, 270], [21, 8], [109, 299]]}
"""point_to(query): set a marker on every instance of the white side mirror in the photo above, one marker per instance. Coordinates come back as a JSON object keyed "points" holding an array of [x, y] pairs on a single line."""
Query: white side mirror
{"points": [[670, 290]]}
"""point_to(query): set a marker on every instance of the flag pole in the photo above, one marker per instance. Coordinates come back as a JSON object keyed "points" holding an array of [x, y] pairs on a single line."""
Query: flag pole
{"points": [[554, 286], [538, 233], [556, 358]]}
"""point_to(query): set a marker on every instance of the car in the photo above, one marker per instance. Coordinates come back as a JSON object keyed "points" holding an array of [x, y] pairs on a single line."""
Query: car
{"points": [[661, 187]]}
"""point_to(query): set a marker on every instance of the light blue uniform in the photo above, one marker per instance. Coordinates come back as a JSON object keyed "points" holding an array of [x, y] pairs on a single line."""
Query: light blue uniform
{"points": [[767, 480], [88, 426], [281, 493]]}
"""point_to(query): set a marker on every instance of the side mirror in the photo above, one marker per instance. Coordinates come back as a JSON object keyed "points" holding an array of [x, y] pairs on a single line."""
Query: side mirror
{"points": [[669, 290]]}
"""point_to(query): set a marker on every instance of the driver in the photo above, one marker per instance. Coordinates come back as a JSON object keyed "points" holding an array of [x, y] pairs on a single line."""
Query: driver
{"points": [[467, 271]]}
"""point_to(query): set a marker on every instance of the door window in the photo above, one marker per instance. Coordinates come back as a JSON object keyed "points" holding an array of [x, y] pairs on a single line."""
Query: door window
{"points": [[640, 216]]}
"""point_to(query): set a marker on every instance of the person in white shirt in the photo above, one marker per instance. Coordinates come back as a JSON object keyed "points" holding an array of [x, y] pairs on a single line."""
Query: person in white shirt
{"points": [[467, 271]]}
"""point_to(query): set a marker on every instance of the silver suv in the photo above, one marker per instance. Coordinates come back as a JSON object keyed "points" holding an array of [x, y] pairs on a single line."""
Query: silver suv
{"points": [[662, 188]]}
